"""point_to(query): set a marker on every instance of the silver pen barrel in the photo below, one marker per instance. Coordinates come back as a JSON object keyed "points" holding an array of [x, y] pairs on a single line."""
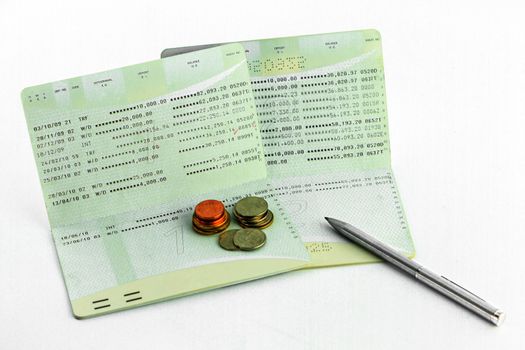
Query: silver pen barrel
{"points": [[439, 283], [460, 295]]}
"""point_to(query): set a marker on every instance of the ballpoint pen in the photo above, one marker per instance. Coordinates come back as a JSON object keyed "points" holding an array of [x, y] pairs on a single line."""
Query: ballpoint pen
{"points": [[434, 281]]}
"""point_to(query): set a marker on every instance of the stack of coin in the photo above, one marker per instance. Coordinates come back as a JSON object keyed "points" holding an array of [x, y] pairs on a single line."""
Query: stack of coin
{"points": [[243, 239], [210, 217], [253, 212]]}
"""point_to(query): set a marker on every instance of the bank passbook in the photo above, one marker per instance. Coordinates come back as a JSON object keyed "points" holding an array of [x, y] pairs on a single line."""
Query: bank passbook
{"points": [[124, 155]]}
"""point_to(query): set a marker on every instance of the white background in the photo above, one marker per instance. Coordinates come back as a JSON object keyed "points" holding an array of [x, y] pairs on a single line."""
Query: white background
{"points": [[455, 76]]}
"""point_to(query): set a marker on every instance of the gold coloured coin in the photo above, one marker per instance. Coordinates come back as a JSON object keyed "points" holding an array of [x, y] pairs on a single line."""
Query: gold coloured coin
{"points": [[211, 230], [249, 238], [219, 222], [226, 240], [251, 207], [253, 212], [263, 222], [205, 232], [267, 216], [266, 222]]}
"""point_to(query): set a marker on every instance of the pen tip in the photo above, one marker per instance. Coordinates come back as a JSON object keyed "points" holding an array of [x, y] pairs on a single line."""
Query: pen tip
{"points": [[334, 222], [330, 220]]}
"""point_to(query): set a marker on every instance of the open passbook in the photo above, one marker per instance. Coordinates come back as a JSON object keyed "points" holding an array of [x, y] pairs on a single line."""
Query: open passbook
{"points": [[124, 156]]}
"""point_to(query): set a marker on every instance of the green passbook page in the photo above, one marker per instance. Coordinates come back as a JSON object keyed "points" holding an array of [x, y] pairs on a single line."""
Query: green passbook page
{"points": [[321, 104], [123, 157]]}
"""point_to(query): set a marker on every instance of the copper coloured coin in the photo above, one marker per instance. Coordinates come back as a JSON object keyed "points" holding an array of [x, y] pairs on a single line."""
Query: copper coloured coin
{"points": [[209, 210]]}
